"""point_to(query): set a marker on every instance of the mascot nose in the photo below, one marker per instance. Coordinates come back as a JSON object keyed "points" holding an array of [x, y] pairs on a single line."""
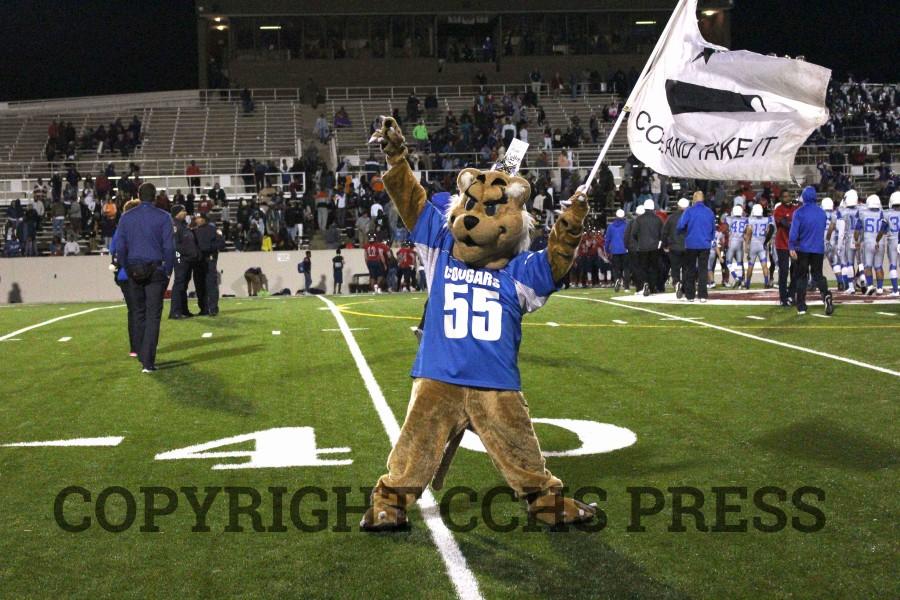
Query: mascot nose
{"points": [[469, 221]]}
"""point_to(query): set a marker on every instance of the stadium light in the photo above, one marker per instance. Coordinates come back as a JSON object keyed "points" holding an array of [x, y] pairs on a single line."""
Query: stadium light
{"points": [[270, 27], [645, 22], [218, 19], [221, 27], [709, 13]]}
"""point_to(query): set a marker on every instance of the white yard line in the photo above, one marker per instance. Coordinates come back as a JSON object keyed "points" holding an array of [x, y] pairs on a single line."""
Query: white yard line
{"points": [[843, 359], [460, 575], [50, 321], [755, 318], [886, 314]]}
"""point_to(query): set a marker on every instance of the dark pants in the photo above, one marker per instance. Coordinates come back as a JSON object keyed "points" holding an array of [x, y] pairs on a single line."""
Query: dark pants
{"points": [[199, 270], [647, 271], [662, 271], [696, 275], [206, 282], [179, 305], [786, 290], [147, 305], [132, 330], [676, 261], [809, 264], [618, 266]]}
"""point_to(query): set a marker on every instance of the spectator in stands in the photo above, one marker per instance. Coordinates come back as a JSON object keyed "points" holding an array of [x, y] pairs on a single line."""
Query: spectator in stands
{"points": [[75, 217], [420, 134], [71, 248], [247, 101], [320, 129], [217, 195], [431, 107], [247, 176], [412, 108], [193, 174], [259, 172], [342, 119]]}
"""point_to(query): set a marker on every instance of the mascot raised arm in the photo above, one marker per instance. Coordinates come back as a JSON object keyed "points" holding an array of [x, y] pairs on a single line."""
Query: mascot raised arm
{"points": [[482, 280]]}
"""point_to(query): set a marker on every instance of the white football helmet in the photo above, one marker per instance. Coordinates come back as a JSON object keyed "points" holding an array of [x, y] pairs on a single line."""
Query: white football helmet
{"points": [[895, 199], [737, 211], [620, 214], [873, 202], [827, 204], [756, 211], [640, 210], [851, 198]]}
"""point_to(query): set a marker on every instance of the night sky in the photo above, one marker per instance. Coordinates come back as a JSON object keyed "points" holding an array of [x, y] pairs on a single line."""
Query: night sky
{"points": [[86, 47]]}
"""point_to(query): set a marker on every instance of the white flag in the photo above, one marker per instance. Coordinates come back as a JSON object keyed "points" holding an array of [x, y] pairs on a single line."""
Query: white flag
{"points": [[707, 112]]}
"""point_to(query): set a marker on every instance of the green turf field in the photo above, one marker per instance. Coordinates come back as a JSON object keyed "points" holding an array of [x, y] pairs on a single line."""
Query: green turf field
{"points": [[710, 409]]}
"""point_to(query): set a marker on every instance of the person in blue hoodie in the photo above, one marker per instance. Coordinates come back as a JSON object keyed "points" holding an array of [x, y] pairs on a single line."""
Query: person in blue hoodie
{"points": [[806, 243], [614, 244], [698, 224], [122, 282]]}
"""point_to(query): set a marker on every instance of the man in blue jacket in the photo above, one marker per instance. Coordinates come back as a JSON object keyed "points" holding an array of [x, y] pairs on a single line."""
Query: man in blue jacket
{"points": [[145, 247], [698, 224], [614, 244], [806, 242]]}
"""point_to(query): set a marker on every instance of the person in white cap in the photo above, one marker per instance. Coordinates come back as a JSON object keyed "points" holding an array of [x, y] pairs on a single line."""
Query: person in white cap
{"points": [[673, 246], [892, 240], [647, 235], [616, 249]]}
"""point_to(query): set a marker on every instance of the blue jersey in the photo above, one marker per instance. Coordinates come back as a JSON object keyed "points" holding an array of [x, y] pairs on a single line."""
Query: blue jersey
{"points": [[759, 226], [870, 223], [473, 323]]}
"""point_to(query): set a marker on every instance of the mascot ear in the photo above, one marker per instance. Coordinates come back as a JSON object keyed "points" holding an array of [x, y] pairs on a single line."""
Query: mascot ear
{"points": [[518, 190], [466, 177]]}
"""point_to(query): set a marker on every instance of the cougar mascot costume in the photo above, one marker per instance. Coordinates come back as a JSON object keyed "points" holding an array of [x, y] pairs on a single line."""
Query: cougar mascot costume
{"points": [[482, 280]]}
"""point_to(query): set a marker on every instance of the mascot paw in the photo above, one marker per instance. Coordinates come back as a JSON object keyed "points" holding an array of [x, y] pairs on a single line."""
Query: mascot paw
{"points": [[555, 510], [384, 518], [391, 139]]}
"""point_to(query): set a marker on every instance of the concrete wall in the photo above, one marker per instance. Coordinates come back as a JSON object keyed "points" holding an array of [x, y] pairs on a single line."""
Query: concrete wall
{"points": [[88, 278]]}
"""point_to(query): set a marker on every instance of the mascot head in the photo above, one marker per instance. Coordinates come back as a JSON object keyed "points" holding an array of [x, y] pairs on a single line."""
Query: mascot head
{"points": [[488, 218]]}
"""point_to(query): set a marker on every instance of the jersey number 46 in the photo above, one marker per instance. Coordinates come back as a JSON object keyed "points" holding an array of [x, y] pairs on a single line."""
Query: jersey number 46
{"points": [[485, 314]]}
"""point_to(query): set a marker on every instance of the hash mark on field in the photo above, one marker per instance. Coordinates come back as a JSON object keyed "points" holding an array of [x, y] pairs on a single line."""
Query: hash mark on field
{"points": [[82, 442], [13, 340], [276, 332], [755, 318], [208, 334], [820, 316], [552, 324], [620, 322], [65, 339], [887, 314]]}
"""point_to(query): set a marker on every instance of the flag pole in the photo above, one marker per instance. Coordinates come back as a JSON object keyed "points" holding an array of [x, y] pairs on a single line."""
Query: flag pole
{"points": [[651, 61]]}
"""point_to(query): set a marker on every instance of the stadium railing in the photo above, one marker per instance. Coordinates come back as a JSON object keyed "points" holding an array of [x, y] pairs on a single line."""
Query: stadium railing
{"points": [[403, 91], [232, 183]]}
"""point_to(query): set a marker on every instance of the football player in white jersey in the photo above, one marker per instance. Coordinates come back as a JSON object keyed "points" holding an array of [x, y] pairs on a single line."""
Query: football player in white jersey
{"points": [[849, 214], [831, 245], [870, 228], [757, 235], [734, 256], [892, 240]]}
